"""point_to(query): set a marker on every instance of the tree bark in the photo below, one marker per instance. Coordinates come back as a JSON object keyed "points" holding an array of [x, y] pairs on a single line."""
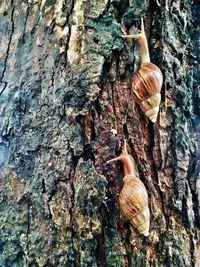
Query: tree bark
{"points": [[66, 106]]}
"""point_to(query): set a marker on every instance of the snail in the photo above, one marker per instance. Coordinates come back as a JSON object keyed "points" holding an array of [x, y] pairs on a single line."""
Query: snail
{"points": [[133, 198], [147, 82]]}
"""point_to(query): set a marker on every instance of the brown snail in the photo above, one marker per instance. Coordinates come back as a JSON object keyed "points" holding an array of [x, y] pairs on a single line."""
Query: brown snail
{"points": [[147, 82], [133, 198]]}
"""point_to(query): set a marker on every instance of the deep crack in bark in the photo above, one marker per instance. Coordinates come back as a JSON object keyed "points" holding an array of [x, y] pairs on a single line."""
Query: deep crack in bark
{"points": [[8, 48]]}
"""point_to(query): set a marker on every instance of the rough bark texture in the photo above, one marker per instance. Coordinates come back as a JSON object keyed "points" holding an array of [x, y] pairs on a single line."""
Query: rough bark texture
{"points": [[64, 93]]}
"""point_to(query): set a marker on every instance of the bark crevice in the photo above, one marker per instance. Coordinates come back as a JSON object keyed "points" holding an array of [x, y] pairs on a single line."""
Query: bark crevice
{"points": [[8, 48]]}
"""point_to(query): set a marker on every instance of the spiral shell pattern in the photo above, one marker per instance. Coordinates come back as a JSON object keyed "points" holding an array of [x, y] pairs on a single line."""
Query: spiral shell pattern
{"points": [[146, 87], [133, 201]]}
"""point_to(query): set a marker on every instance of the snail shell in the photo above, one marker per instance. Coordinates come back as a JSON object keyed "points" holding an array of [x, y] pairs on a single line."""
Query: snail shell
{"points": [[133, 201], [146, 87], [133, 198], [147, 82]]}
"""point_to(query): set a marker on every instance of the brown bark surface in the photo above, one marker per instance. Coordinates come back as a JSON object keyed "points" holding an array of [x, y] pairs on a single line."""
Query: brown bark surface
{"points": [[66, 106]]}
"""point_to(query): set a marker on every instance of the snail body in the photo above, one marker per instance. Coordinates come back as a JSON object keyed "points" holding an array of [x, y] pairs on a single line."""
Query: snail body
{"points": [[133, 198], [147, 82]]}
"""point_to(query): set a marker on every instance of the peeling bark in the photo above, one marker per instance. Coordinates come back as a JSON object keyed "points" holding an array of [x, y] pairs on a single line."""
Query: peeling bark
{"points": [[66, 105]]}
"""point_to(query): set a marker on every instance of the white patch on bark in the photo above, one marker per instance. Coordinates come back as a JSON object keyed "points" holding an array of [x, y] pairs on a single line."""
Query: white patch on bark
{"points": [[73, 52]]}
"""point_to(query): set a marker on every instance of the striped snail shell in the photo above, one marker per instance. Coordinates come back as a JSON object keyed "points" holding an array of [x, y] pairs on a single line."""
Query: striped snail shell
{"points": [[147, 82], [133, 198]]}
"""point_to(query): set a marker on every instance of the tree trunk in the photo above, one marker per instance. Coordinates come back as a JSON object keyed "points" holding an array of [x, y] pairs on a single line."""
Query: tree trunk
{"points": [[66, 106]]}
